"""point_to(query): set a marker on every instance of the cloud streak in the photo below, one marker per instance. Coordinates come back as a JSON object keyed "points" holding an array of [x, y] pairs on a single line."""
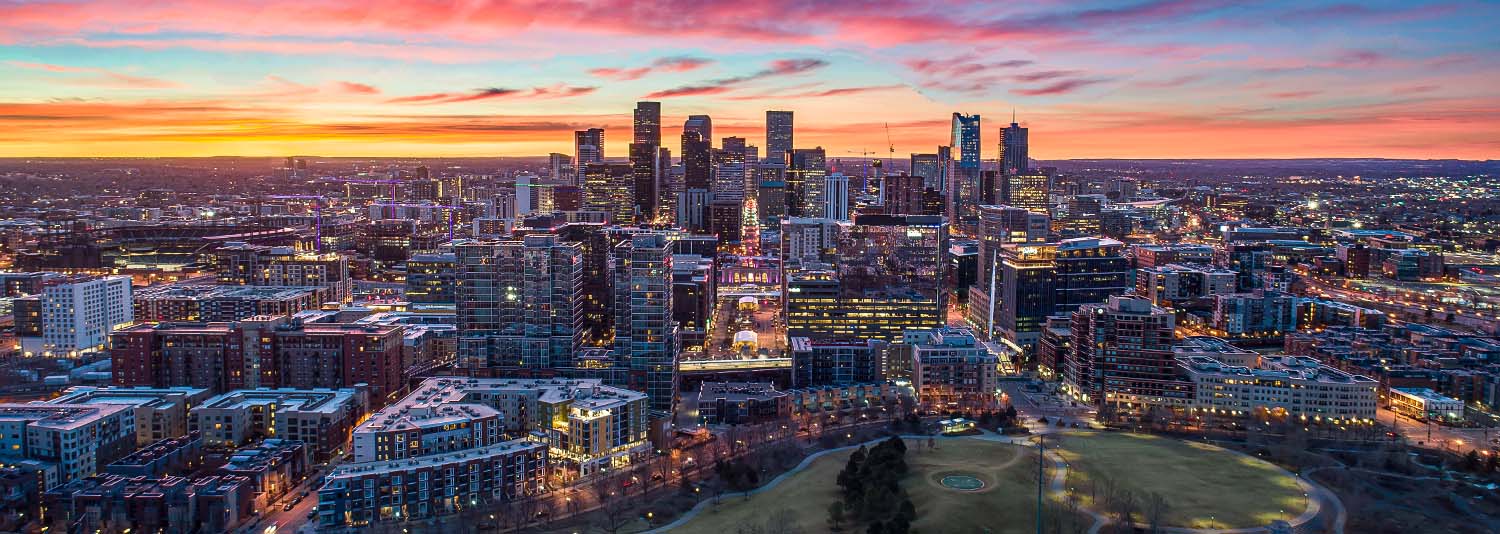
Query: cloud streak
{"points": [[492, 93], [666, 64], [778, 68], [98, 77]]}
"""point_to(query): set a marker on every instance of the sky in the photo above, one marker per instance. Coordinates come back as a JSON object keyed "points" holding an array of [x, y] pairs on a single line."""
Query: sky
{"points": [[427, 78]]}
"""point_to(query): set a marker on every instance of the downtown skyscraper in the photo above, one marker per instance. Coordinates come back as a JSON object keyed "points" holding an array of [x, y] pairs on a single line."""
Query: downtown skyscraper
{"points": [[966, 175], [588, 147], [778, 135], [1014, 155], [647, 169]]}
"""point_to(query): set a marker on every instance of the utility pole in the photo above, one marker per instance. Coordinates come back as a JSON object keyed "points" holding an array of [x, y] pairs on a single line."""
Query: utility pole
{"points": [[1041, 462]]}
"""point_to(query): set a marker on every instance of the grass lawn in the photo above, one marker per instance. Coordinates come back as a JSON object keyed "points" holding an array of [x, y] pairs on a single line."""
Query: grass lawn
{"points": [[1198, 481], [1006, 503]]}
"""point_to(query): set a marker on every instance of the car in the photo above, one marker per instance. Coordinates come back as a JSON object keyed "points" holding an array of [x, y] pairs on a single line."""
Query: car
{"points": [[288, 507], [312, 513]]}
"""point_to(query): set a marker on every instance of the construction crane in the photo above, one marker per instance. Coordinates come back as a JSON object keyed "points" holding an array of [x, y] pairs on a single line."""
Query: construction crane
{"points": [[864, 173]]}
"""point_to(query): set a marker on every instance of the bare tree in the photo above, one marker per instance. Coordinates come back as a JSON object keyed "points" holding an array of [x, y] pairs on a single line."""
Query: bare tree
{"points": [[1156, 511], [613, 507]]}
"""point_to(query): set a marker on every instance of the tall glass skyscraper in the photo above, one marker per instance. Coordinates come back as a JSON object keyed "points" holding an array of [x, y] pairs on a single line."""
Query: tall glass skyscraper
{"points": [[778, 135], [647, 123], [967, 167], [645, 169], [1013, 152], [588, 147], [646, 337]]}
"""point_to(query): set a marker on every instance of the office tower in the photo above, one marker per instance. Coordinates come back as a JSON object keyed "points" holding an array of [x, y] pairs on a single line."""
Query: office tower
{"points": [[694, 291], [561, 168], [1121, 356], [727, 220], [778, 135], [836, 191], [1084, 215], [425, 189], [966, 175], [667, 185], [804, 182], [259, 265], [1014, 156], [752, 170], [1039, 280], [73, 316], [945, 172], [998, 226], [588, 147], [696, 165], [1027, 190], [431, 279], [519, 303], [887, 279], [925, 166], [528, 194], [903, 194], [770, 200], [646, 337], [645, 180], [703, 125], [730, 170], [647, 125], [607, 189], [808, 240]]}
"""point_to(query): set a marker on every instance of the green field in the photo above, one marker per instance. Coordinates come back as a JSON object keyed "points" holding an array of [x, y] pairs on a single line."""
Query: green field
{"points": [[1005, 503], [1198, 481]]}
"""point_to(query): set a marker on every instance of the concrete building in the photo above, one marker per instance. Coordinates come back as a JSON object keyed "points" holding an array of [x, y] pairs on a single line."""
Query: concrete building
{"points": [[160, 413], [1426, 404], [76, 316], [77, 440], [1283, 386], [216, 303], [322, 418], [1178, 283], [1121, 357], [258, 265], [951, 370], [114, 503], [742, 403]]}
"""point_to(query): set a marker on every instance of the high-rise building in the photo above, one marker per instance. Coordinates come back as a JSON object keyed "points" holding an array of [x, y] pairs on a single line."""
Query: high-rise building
{"points": [[1014, 155], [76, 316], [1121, 356], [998, 226], [836, 193], [1028, 190], [588, 147], [730, 170], [646, 180], [1085, 215], [778, 135], [430, 279], [966, 175], [607, 188], [1039, 280], [647, 126], [804, 182], [561, 168], [925, 166], [645, 334], [519, 303], [703, 125], [903, 193], [697, 173]]}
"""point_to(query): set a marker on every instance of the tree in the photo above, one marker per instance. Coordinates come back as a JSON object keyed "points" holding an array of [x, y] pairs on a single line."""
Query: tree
{"points": [[1156, 511], [783, 521], [1471, 460], [836, 515]]}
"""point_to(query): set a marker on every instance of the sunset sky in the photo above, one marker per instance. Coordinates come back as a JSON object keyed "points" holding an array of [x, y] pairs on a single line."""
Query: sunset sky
{"points": [[1159, 79]]}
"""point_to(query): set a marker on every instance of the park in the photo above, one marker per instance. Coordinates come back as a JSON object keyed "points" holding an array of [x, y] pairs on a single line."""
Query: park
{"points": [[989, 484]]}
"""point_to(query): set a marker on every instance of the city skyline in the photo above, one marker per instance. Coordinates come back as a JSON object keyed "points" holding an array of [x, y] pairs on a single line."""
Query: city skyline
{"points": [[1159, 79]]}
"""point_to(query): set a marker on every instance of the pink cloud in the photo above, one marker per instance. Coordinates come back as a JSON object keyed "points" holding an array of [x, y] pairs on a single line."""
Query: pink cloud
{"points": [[356, 88], [547, 92], [99, 77], [1058, 88], [1294, 95], [666, 64], [777, 68]]}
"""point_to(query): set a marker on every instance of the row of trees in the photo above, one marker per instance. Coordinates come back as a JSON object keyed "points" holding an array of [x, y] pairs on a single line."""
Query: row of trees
{"points": [[870, 484]]}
